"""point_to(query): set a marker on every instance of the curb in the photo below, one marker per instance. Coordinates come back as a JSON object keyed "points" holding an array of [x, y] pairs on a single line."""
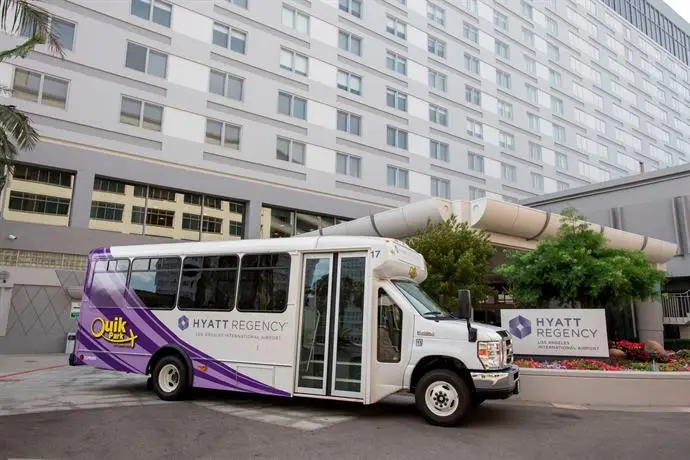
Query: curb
{"points": [[582, 407]]}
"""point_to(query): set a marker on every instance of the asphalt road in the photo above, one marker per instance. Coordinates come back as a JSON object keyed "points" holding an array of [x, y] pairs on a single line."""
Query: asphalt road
{"points": [[189, 430]]}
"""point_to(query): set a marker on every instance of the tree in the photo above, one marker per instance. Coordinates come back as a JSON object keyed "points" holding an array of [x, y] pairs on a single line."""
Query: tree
{"points": [[576, 270], [16, 132], [457, 257]]}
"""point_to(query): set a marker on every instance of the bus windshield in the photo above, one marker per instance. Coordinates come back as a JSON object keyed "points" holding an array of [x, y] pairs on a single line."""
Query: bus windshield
{"points": [[421, 301]]}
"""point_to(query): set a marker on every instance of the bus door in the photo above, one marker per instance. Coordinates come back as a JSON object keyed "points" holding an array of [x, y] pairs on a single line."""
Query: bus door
{"points": [[332, 328]]}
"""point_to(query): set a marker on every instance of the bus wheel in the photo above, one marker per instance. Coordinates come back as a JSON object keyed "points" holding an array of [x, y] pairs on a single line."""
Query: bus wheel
{"points": [[169, 378], [443, 398]]}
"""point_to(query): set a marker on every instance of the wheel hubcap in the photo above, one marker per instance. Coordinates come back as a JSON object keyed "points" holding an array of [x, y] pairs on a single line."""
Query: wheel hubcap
{"points": [[169, 378], [442, 399]]}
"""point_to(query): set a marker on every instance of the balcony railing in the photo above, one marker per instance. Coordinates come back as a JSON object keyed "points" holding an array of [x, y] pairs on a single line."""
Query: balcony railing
{"points": [[676, 308]]}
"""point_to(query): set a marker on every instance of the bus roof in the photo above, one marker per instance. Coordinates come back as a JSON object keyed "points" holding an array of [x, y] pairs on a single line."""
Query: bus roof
{"points": [[306, 243]]}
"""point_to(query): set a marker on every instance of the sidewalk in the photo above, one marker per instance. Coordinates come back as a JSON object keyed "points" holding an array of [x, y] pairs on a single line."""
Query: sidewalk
{"points": [[22, 364]]}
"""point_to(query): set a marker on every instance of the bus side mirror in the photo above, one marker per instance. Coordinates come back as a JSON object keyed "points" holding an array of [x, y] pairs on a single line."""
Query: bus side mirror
{"points": [[464, 304]]}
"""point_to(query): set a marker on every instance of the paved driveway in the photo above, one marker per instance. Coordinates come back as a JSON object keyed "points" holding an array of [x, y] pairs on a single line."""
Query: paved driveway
{"points": [[82, 413]]}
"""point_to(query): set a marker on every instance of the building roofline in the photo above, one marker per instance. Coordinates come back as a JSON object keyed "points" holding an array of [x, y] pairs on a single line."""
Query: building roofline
{"points": [[671, 14], [599, 188]]}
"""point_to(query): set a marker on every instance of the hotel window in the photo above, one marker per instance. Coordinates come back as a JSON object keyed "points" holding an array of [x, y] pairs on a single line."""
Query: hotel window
{"points": [[502, 50], [396, 28], [558, 133], [438, 115], [474, 128], [63, 29], [354, 7], [528, 37], [292, 106], [147, 60], [155, 11], [504, 109], [37, 87], [102, 210], [470, 32], [561, 161], [294, 62], [438, 80], [533, 121], [553, 52], [438, 150], [527, 10], [471, 64], [296, 20], [534, 151], [349, 82], [397, 177], [348, 165], [477, 193], [503, 79], [396, 137], [396, 63], [470, 5], [349, 123], [140, 113], [509, 173], [552, 26], [473, 95], [396, 99], [440, 187], [537, 181], [506, 140], [38, 204], [436, 46], [556, 105], [232, 39], [350, 42], [530, 65], [475, 162], [500, 20], [290, 150], [225, 134], [227, 85], [435, 13], [554, 78], [532, 93]]}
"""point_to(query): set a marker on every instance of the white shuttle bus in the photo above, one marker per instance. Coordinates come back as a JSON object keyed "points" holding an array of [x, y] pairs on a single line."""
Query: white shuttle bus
{"points": [[332, 317]]}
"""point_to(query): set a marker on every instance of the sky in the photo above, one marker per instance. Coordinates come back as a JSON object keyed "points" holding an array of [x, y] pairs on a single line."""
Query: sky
{"points": [[682, 7]]}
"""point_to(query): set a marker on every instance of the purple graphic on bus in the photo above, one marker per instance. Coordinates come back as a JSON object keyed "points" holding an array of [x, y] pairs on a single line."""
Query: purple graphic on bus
{"points": [[117, 331]]}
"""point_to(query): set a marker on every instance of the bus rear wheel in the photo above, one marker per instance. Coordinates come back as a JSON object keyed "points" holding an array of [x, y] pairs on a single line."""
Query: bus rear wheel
{"points": [[169, 378], [443, 398]]}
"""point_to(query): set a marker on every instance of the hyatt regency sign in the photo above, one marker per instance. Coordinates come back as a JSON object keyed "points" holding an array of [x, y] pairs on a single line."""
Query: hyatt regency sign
{"points": [[557, 332]]}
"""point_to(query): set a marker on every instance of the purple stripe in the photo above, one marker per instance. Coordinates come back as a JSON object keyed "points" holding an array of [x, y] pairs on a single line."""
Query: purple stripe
{"points": [[109, 360], [93, 344], [152, 333]]}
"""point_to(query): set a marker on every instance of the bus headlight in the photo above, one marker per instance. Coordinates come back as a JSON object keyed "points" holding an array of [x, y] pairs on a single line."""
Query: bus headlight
{"points": [[489, 353]]}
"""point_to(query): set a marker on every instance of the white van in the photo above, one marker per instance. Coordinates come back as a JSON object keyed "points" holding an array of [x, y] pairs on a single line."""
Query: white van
{"points": [[337, 317]]}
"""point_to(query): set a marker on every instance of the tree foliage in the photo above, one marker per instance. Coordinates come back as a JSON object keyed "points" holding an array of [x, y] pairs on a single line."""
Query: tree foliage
{"points": [[457, 257], [576, 270], [16, 132]]}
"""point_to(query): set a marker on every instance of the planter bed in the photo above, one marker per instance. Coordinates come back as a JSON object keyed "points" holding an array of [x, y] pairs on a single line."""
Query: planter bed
{"points": [[635, 377]]}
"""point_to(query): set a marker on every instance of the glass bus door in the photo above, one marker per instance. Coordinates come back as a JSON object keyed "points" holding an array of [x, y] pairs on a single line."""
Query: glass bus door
{"points": [[331, 328]]}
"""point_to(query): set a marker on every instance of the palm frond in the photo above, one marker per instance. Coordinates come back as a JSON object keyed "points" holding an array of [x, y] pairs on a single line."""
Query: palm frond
{"points": [[25, 15], [16, 125], [22, 50], [8, 152]]}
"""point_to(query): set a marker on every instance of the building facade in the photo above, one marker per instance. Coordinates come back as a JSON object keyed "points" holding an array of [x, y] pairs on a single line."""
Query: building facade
{"points": [[238, 118]]}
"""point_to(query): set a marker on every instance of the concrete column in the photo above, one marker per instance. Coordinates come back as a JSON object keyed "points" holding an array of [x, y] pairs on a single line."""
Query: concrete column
{"points": [[252, 220], [650, 320], [6, 286], [82, 192]]}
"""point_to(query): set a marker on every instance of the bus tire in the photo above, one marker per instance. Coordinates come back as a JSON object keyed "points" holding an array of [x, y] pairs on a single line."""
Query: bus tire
{"points": [[169, 378], [443, 398]]}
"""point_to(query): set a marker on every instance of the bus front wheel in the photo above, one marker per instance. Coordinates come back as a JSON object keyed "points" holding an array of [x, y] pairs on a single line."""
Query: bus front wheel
{"points": [[443, 397], [169, 378]]}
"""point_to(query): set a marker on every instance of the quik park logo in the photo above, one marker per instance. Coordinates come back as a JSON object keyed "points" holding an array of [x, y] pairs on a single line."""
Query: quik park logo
{"points": [[113, 331]]}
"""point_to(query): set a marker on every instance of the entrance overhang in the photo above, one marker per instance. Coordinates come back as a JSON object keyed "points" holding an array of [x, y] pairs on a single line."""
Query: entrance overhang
{"points": [[508, 224]]}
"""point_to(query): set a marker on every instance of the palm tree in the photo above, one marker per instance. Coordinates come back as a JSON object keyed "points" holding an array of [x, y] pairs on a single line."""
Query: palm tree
{"points": [[16, 132]]}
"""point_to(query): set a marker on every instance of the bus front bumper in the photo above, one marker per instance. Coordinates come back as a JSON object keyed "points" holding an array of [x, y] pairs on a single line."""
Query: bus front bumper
{"points": [[497, 384]]}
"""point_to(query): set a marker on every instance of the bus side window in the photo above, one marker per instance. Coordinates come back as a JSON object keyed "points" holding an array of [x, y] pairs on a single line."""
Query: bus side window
{"points": [[109, 277], [390, 319], [155, 281], [264, 283], [208, 283]]}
